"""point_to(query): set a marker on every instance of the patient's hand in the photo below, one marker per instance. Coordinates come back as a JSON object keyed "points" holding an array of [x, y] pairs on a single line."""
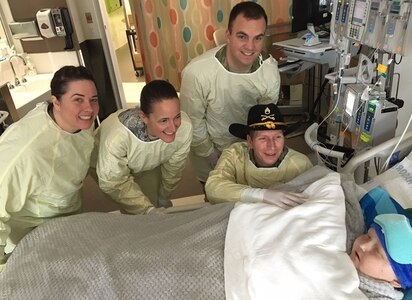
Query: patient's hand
{"points": [[284, 200]]}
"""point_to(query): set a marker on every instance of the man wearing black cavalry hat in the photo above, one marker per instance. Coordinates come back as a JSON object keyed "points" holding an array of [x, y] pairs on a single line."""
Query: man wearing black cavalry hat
{"points": [[246, 170]]}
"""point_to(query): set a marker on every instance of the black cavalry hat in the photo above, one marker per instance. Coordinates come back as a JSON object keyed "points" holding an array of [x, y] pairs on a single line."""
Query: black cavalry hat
{"points": [[261, 117]]}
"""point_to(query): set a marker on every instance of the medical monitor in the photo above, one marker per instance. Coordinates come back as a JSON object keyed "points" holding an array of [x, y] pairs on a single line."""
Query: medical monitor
{"points": [[358, 17], [359, 12], [316, 12], [350, 102], [352, 113]]}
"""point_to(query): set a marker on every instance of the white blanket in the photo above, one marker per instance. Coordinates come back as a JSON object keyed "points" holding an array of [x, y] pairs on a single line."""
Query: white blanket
{"points": [[271, 253]]}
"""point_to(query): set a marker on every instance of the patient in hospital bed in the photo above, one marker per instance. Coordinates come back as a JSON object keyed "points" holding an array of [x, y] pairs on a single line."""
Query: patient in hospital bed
{"points": [[298, 233], [383, 257], [384, 252], [223, 251]]}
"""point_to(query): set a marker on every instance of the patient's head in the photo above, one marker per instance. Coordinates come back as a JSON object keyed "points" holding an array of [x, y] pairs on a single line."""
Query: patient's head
{"points": [[384, 253]]}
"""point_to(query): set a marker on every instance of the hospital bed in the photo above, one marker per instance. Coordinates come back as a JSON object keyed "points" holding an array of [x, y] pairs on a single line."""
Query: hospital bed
{"points": [[396, 149], [245, 251]]}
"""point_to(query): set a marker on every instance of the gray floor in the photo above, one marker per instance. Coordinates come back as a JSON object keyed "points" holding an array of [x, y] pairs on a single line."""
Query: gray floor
{"points": [[127, 69]]}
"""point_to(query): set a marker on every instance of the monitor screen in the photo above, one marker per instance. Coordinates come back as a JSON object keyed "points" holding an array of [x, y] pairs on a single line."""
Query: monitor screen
{"points": [[316, 12], [350, 102], [359, 12]]}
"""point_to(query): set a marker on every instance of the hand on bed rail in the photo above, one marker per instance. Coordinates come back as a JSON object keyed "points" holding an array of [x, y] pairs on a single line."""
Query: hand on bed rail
{"points": [[284, 200]]}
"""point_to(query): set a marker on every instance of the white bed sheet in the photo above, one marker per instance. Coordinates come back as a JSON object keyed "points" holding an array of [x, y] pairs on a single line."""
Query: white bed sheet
{"points": [[397, 181], [291, 254]]}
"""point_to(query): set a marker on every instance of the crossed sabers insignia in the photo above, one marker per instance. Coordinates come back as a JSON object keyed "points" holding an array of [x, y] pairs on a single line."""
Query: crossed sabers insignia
{"points": [[265, 117]]}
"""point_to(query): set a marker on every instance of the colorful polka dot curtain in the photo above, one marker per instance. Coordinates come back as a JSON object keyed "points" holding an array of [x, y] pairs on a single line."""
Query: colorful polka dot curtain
{"points": [[172, 32]]}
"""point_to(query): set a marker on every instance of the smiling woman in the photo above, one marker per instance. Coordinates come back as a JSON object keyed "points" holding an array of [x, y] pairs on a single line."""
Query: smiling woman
{"points": [[46, 156], [75, 101], [142, 152]]}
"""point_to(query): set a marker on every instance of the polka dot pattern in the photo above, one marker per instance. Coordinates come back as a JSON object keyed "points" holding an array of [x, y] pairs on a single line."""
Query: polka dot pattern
{"points": [[172, 32], [172, 61], [199, 49], [173, 16], [153, 39], [209, 32], [159, 71], [219, 16], [187, 34], [159, 23], [183, 4], [148, 6]]}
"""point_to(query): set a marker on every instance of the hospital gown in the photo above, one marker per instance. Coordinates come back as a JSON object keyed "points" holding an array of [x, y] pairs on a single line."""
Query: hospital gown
{"points": [[137, 173], [214, 98], [42, 169], [235, 172]]}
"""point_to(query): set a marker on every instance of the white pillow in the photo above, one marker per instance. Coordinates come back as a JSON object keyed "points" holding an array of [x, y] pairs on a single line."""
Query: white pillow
{"points": [[271, 253], [397, 181]]}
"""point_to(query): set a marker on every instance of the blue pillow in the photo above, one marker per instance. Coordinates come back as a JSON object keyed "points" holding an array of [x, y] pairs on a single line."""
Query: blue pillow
{"points": [[377, 201], [407, 294]]}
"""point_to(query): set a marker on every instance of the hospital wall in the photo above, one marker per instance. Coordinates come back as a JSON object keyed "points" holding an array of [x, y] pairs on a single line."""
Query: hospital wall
{"points": [[25, 10], [405, 84]]}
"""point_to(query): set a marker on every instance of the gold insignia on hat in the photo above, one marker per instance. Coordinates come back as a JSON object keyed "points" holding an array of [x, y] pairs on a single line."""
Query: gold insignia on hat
{"points": [[272, 117], [268, 124], [267, 120], [267, 115]]}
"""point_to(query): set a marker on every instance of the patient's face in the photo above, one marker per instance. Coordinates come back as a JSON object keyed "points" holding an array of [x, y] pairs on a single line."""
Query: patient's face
{"points": [[370, 258], [267, 146]]}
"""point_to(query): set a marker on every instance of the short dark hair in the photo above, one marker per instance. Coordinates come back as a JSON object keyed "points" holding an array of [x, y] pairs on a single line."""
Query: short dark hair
{"points": [[155, 91], [65, 75], [249, 9]]}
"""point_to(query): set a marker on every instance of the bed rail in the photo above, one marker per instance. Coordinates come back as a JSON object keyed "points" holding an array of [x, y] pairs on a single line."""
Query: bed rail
{"points": [[312, 141], [314, 144], [381, 151]]}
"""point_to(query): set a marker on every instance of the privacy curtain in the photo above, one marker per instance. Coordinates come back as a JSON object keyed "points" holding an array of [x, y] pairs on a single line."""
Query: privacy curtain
{"points": [[172, 32]]}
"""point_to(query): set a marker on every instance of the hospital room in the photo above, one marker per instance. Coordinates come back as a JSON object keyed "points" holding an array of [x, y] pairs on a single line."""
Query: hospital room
{"points": [[223, 149]]}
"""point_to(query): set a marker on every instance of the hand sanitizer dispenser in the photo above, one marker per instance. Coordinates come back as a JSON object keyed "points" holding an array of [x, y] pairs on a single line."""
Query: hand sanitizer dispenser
{"points": [[56, 23], [45, 23]]}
